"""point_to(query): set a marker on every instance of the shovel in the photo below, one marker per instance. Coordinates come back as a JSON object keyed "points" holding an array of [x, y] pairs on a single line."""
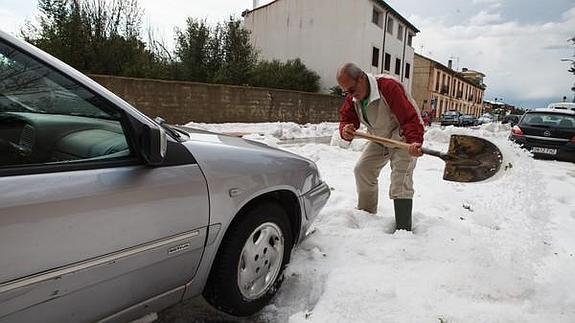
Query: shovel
{"points": [[468, 159]]}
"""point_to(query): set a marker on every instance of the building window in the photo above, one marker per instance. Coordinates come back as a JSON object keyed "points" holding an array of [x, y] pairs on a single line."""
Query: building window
{"points": [[407, 70], [376, 17], [437, 82], [410, 39], [400, 32], [375, 57], [397, 66], [387, 63], [390, 25]]}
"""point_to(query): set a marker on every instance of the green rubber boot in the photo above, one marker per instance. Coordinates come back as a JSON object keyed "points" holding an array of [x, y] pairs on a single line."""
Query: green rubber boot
{"points": [[402, 209]]}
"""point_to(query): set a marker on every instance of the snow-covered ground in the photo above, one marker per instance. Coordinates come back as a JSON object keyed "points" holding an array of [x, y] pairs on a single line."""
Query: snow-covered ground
{"points": [[496, 251]]}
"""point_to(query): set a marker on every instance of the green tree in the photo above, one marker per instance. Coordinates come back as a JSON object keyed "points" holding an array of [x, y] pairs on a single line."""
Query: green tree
{"points": [[192, 50], [96, 36], [238, 55]]}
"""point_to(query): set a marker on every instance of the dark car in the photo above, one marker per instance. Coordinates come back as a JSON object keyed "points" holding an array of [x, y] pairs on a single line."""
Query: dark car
{"points": [[468, 120], [512, 119], [450, 118], [547, 134]]}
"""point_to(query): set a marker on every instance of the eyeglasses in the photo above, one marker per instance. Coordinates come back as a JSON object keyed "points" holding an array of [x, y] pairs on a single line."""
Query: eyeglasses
{"points": [[352, 89]]}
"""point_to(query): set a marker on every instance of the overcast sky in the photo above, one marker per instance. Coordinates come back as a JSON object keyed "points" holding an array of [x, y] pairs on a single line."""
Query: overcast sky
{"points": [[518, 44]]}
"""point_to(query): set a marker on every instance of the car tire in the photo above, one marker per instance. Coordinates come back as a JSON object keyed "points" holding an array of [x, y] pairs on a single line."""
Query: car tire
{"points": [[248, 269]]}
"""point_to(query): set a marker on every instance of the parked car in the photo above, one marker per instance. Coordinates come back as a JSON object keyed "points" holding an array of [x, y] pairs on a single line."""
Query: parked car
{"points": [[468, 120], [450, 118], [106, 214], [512, 119], [547, 134], [485, 118]]}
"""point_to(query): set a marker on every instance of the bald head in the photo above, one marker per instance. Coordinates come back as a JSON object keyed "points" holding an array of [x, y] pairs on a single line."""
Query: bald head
{"points": [[350, 70]]}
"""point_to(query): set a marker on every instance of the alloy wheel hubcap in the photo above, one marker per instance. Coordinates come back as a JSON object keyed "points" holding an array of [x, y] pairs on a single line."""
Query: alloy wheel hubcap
{"points": [[260, 260]]}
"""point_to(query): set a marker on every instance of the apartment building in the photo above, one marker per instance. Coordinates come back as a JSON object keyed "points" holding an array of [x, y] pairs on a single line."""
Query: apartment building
{"points": [[327, 33], [438, 88]]}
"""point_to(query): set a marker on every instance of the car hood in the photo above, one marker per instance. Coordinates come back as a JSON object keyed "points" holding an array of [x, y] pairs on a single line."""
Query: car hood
{"points": [[214, 139], [222, 157]]}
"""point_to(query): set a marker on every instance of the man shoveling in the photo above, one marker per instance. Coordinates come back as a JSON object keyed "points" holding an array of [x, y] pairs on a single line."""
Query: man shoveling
{"points": [[383, 105]]}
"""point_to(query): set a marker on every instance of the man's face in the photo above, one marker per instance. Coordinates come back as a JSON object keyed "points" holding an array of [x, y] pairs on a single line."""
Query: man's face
{"points": [[357, 88]]}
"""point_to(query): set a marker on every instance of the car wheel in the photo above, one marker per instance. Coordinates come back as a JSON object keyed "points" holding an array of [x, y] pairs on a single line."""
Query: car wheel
{"points": [[249, 266]]}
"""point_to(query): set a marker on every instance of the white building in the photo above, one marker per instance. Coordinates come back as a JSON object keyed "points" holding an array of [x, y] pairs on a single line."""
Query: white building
{"points": [[327, 33]]}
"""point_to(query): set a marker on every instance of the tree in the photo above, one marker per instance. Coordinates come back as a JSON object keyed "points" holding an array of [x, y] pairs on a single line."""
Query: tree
{"points": [[192, 50], [96, 36], [239, 56]]}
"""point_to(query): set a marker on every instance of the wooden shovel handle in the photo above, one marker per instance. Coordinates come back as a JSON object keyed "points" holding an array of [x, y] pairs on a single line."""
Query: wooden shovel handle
{"points": [[381, 140]]}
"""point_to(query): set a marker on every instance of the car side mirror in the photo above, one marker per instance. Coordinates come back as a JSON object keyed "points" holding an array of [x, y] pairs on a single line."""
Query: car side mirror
{"points": [[154, 145]]}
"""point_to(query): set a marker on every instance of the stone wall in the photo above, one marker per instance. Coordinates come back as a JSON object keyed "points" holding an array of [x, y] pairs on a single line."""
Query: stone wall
{"points": [[182, 102]]}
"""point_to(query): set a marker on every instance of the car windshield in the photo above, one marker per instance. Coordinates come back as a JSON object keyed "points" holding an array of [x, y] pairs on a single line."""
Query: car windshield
{"points": [[28, 86], [550, 120]]}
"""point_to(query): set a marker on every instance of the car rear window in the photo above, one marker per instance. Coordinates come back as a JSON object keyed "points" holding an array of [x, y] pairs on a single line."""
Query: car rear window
{"points": [[550, 120]]}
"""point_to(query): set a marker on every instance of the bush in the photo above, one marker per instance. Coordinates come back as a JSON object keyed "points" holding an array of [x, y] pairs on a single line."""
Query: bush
{"points": [[292, 75], [336, 90]]}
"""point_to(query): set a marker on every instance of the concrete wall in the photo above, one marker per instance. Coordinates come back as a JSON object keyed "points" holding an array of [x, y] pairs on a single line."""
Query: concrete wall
{"points": [[325, 34], [182, 102]]}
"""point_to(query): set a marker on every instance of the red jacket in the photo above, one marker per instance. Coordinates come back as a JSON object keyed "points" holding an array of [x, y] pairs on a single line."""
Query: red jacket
{"points": [[405, 112]]}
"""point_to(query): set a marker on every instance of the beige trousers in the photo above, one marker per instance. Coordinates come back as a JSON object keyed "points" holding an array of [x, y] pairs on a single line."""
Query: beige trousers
{"points": [[367, 170]]}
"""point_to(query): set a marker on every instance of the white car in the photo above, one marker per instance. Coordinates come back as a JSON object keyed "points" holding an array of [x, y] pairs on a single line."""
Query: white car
{"points": [[486, 118]]}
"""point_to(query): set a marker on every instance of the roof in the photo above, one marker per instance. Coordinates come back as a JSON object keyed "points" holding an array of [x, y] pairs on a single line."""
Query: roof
{"points": [[401, 18], [552, 111], [379, 2]]}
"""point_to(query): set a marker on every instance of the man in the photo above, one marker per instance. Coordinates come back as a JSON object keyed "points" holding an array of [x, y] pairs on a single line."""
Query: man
{"points": [[383, 105]]}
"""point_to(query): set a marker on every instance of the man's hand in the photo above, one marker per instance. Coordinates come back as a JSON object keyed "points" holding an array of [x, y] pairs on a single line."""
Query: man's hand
{"points": [[415, 149], [348, 132]]}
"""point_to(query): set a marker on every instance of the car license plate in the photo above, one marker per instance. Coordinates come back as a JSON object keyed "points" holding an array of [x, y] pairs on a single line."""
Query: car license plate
{"points": [[547, 151]]}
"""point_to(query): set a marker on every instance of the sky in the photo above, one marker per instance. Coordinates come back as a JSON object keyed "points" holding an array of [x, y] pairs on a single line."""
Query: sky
{"points": [[518, 44]]}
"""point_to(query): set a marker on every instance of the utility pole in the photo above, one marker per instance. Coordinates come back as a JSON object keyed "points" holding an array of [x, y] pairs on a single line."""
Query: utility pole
{"points": [[572, 63]]}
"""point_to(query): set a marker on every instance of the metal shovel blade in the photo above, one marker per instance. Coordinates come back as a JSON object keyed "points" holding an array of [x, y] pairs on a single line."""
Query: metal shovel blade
{"points": [[471, 159]]}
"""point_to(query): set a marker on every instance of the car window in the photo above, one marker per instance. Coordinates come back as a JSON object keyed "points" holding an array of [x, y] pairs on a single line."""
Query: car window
{"points": [[47, 118], [551, 120]]}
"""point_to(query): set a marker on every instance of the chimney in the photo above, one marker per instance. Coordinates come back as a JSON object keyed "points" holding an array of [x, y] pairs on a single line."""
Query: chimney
{"points": [[255, 4], [450, 64]]}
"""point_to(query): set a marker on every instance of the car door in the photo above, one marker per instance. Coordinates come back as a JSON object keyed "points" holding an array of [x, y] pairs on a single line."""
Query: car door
{"points": [[86, 228]]}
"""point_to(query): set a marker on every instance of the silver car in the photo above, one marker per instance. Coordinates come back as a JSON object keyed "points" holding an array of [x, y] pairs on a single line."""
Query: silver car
{"points": [[106, 215]]}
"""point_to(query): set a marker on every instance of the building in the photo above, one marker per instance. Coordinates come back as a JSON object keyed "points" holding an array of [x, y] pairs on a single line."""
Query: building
{"points": [[438, 88], [327, 33], [498, 109]]}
